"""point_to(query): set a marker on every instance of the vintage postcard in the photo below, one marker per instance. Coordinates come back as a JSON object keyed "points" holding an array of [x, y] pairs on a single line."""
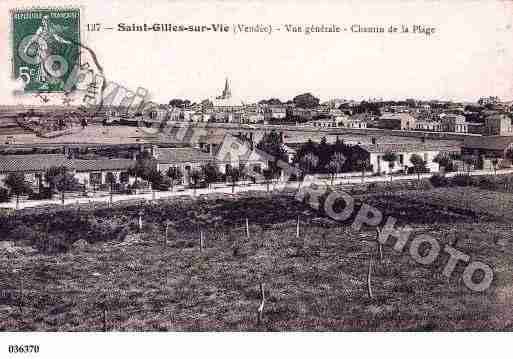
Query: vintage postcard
{"points": [[262, 166]]}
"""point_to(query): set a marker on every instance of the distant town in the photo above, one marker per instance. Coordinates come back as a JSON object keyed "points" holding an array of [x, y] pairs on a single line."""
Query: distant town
{"points": [[121, 150]]}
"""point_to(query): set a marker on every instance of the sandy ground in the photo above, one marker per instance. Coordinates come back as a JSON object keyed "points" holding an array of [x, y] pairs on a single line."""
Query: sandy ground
{"points": [[112, 135]]}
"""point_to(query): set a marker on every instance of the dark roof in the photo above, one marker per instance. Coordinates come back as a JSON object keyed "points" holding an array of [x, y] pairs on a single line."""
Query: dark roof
{"points": [[409, 147], [180, 155], [102, 164], [498, 143], [32, 163], [396, 116]]}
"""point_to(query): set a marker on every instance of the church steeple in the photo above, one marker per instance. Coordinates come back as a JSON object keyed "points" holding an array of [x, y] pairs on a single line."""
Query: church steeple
{"points": [[227, 93]]}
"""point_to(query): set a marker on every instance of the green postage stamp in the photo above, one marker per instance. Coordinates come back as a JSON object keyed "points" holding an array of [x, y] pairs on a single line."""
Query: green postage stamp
{"points": [[45, 47]]}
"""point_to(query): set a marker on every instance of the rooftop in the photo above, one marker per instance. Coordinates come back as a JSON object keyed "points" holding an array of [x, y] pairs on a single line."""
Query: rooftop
{"points": [[498, 143], [32, 163], [102, 164], [42, 162], [180, 155], [396, 116], [409, 147]]}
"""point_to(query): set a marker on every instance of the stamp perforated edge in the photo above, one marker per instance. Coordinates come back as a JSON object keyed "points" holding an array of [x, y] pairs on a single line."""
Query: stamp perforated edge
{"points": [[12, 11]]}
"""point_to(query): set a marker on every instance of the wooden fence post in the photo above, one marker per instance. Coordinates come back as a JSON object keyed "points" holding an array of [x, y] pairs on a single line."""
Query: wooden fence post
{"points": [[380, 246], [261, 306], [247, 227], [22, 299], [140, 222], [167, 232], [369, 280], [201, 241], [297, 227], [104, 317]]}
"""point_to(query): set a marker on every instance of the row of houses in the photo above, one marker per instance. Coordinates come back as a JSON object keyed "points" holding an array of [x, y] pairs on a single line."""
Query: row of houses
{"points": [[229, 152], [494, 125], [92, 173], [404, 152]]}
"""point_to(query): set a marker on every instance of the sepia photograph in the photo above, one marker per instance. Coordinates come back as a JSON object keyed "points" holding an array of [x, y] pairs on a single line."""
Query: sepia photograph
{"points": [[222, 175]]}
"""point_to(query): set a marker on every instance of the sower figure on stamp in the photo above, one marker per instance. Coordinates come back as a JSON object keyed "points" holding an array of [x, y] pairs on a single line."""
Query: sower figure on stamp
{"points": [[45, 35]]}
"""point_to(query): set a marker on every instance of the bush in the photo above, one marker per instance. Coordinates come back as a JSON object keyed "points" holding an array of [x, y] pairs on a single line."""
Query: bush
{"points": [[53, 243], [104, 187], [485, 182], [44, 193], [439, 181], [118, 187], [163, 184], [4, 195], [140, 184], [23, 233], [101, 229], [461, 180]]}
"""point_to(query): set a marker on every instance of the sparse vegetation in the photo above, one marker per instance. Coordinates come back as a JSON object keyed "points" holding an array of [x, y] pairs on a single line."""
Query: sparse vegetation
{"points": [[123, 280]]}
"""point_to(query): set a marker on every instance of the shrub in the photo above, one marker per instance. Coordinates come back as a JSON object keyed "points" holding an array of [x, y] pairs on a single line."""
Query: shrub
{"points": [[23, 233], [438, 180], [163, 184], [99, 230], [140, 184], [151, 231], [104, 187], [44, 193], [4, 195], [485, 182], [461, 180], [373, 186], [53, 243], [118, 187]]}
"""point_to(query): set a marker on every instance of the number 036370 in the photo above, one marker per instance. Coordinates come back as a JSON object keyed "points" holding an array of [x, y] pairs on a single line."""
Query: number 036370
{"points": [[13, 349]]}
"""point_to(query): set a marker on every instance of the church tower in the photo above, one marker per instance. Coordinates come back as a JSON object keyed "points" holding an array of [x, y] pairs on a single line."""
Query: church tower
{"points": [[227, 93]]}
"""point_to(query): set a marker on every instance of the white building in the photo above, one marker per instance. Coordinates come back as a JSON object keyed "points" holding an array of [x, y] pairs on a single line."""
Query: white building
{"points": [[404, 151], [428, 126]]}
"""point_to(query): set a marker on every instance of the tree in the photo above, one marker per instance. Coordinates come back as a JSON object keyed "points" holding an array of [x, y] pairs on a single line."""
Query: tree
{"points": [[18, 186], [179, 103], [391, 158], [419, 165], [271, 101], [234, 175], [159, 181], [145, 168], [306, 100], [509, 154], [444, 160], [111, 179], [243, 172], [211, 173], [470, 162], [268, 175], [61, 179], [362, 165], [324, 151], [495, 164], [196, 176], [272, 145], [307, 164], [174, 175], [4, 195], [335, 165], [368, 107]]}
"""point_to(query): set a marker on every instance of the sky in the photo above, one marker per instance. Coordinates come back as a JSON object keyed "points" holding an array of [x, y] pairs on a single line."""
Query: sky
{"points": [[469, 56]]}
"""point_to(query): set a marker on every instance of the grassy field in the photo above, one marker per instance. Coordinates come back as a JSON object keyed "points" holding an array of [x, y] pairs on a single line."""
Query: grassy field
{"points": [[106, 275]]}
